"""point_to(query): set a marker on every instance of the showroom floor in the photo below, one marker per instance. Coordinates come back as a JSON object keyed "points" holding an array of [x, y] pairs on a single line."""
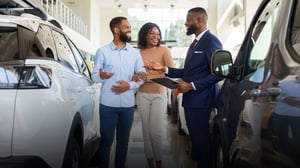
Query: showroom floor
{"points": [[176, 151]]}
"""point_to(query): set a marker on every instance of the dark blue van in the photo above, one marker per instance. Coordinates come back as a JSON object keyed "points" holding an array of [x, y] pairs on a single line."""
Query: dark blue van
{"points": [[257, 124]]}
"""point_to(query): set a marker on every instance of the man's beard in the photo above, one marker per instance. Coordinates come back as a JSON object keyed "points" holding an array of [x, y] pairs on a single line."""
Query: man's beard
{"points": [[124, 38], [191, 30]]}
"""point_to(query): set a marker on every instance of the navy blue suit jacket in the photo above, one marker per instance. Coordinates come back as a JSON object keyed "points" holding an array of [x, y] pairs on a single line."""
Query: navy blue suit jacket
{"points": [[197, 70]]}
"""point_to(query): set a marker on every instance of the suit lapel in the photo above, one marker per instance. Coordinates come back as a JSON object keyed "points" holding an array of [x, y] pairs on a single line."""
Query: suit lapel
{"points": [[190, 52]]}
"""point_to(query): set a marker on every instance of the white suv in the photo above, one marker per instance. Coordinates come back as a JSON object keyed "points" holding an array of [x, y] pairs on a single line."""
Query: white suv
{"points": [[49, 104]]}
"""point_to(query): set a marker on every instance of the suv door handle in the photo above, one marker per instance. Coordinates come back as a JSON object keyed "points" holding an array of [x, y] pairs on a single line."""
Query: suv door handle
{"points": [[271, 91]]}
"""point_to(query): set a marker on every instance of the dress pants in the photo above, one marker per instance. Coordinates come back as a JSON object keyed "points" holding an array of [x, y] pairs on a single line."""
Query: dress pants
{"points": [[198, 126], [151, 107]]}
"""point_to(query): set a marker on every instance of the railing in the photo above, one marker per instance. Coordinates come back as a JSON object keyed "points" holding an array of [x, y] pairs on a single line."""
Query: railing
{"points": [[62, 13]]}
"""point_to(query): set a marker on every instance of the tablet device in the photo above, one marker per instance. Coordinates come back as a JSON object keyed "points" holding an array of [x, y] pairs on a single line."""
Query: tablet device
{"points": [[167, 82]]}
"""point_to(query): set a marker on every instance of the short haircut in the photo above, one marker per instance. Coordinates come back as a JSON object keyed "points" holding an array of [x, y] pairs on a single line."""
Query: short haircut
{"points": [[116, 21], [142, 35], [198, 10]]}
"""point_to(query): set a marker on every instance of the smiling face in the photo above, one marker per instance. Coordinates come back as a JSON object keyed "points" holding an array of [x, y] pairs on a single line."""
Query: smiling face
{"points": [[196, 21], [149, 36], [190, 24], [124, 31], [153, 37]]}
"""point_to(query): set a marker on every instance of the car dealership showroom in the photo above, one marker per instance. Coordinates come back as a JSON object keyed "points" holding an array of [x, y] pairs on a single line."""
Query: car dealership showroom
{"points": [[51, 102]]}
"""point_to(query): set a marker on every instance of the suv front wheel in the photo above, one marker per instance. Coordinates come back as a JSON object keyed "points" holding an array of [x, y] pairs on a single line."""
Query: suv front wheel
{"points": [[73, 155]]}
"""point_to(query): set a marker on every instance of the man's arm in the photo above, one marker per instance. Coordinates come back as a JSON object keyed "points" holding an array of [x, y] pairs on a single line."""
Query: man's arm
{"points": [[96, 68], [291, 100]]}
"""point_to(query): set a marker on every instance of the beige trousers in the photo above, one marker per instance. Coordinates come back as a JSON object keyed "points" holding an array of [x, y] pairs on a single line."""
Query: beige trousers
{"points": [[151, 108]]}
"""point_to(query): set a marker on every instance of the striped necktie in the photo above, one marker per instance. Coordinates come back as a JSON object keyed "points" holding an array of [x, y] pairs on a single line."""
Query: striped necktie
{"points": [[194, 43]]}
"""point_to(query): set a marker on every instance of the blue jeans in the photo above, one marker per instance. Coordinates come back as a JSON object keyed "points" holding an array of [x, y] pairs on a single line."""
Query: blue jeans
{"points": [[111, 119]]}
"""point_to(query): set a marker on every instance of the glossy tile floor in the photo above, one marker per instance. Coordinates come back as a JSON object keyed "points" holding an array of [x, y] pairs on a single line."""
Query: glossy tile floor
{"points": [[176, 148]]}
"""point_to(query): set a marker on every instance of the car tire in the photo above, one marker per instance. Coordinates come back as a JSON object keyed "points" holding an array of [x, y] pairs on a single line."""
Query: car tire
{"points": [[73, 155]]}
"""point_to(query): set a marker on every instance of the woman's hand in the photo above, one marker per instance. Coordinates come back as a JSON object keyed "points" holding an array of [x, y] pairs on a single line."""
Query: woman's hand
{"points": [[155, 66], [139, 76]]}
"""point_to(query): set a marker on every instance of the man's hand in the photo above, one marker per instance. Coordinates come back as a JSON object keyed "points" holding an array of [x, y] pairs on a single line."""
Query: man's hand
{"points": [[293, 101], [121, 87], [139, 76], [105, 75], [155, 66], [184, 87]]}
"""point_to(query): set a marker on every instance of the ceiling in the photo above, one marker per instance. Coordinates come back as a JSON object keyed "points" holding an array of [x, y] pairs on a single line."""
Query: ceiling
{"points": [[152, 3]]}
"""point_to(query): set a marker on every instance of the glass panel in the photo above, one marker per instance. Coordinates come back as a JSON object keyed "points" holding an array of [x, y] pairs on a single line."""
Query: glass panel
{"points": [[43, 45], [170, 21], [296, 30], [8, 43], [261, 39], [64, 51], [83, 67]]}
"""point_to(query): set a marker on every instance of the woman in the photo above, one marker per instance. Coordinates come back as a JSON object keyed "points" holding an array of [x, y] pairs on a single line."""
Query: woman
{"points": [[152, 97]]}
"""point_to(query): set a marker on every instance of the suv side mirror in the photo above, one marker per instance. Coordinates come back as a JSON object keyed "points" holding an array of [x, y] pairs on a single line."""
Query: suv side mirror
{"points": [[222, 64]]}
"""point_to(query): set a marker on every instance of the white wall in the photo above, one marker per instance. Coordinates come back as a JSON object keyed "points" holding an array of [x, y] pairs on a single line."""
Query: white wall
{"points": [[94, 26], [106, 14], [84, 10]]}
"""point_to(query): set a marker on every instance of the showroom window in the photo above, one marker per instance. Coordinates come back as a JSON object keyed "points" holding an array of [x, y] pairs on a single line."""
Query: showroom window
{"points": [[170, 21]]}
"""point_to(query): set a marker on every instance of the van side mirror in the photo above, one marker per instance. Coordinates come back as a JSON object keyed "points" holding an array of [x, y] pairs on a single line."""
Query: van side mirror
{"points": [[222, 64]]}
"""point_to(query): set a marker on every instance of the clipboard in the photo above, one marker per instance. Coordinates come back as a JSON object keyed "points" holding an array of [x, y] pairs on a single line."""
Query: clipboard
{"points": [[167, 82]]}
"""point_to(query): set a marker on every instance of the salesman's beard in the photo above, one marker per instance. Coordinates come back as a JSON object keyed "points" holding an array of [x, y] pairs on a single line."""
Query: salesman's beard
{"points": [[191, 30], [124, 38]]}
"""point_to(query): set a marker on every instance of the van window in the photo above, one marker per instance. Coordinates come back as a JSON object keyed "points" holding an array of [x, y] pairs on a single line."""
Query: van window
{"points": [[296, 30], [83, 67], [8, 44], [261, 39], [43, 43], [64, 51]]}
